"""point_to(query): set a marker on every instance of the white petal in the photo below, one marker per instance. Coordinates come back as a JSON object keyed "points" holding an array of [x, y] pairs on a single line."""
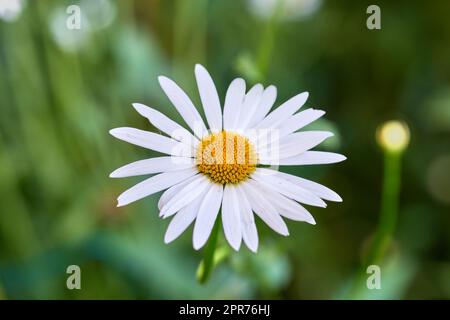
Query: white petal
{"points": [[183, 219], [154, 184], [304, 137], [152, 141], [209, 97], [186, 195], [248, 226], [165, 124], [288, 208], [283, 112], [301, 142], [312, 157], [270, 179], [207, 215], [292, 145], [172, 191], [298, 121], [267, 100], [231, 218], [184, 106], [251, 102], [151, 166], [233, 102], [263, 208], [314, 187]]}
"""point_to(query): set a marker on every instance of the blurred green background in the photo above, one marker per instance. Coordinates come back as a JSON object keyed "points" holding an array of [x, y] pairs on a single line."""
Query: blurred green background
{"points": [[61, 91]]}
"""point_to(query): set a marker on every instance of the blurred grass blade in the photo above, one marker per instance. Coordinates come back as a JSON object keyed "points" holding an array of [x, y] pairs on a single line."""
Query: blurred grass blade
{"points": [[207, 265]]}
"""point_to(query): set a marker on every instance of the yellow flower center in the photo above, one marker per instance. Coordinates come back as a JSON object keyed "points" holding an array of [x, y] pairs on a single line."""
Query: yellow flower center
{"points": [[226, 157]]}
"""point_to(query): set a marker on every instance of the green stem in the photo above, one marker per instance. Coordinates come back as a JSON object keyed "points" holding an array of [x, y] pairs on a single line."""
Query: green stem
{"points": [[268, 40], [388, 217], [389, 208], [207, 264]]}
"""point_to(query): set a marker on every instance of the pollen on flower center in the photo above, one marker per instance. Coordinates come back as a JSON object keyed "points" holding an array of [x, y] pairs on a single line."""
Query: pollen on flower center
{"points": [[226, 157]]}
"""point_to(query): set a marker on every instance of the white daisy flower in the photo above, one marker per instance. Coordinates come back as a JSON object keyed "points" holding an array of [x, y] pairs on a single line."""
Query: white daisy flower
{"points": [[10, 9], [290, 9], [221, 169]]}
